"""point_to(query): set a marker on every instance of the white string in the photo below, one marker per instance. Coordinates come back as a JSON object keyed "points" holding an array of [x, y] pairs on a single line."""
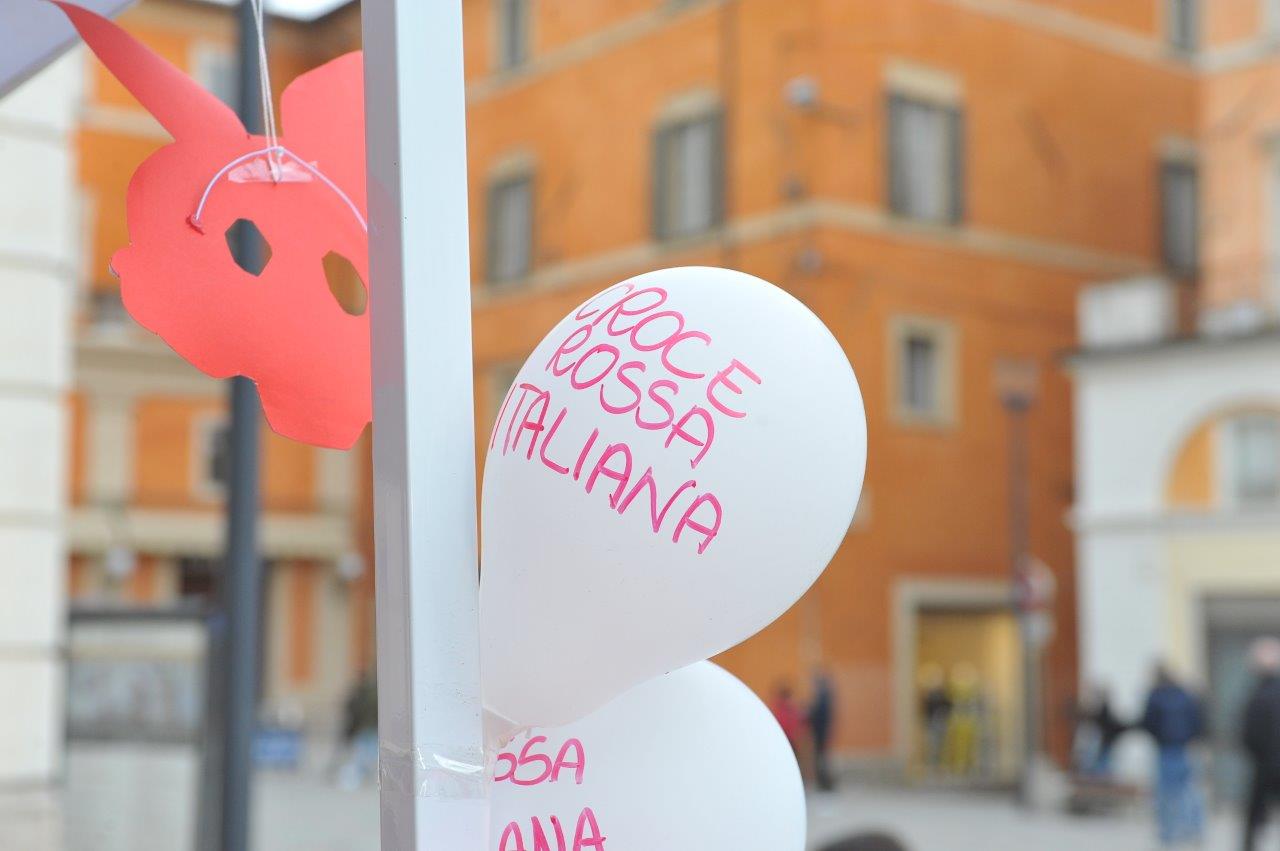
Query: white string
{"points": [[274, 151], [278, 151], [264, 89]]}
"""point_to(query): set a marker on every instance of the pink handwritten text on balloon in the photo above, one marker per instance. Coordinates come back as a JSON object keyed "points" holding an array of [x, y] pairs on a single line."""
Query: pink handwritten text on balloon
{"points": [[533, 766], [624, 387], [586, 835]]}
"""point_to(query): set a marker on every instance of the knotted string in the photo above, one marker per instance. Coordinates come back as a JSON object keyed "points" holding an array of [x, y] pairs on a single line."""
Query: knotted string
{"points": [[264, 89], [282, 172], [277, 168]]}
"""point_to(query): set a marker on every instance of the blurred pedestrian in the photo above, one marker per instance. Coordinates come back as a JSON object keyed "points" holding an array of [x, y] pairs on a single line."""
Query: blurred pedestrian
{"points": [[867, 842], [1174, 719], [1262, 736], [935, 709], [1098, 728], [789, 715], [821, 718], [360, 733], [966, 720]]}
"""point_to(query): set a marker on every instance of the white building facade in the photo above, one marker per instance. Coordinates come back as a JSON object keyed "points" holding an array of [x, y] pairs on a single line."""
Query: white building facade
{"points": [[1177, 507], [39, 256]]}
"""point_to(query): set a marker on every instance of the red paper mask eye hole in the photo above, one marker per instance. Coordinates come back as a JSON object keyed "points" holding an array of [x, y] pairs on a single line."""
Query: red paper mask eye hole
{"points": [[256, 259], [345, 283]]}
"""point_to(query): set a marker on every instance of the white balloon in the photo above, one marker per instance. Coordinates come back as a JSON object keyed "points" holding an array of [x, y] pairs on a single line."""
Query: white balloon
{"points": [[675, 465], [685, 762]]}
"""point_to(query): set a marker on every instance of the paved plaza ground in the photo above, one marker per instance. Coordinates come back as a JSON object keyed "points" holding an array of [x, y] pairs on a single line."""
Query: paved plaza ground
{"points": [[144, 801]]}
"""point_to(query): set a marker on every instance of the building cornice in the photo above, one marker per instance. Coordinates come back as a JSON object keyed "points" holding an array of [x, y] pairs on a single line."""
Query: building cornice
{"points": [[91, 530], [135, 364], [1147, 48], [804, 217], [1084, 360], [60, 271], [1172, 521], [122, 121], [601, 41]]}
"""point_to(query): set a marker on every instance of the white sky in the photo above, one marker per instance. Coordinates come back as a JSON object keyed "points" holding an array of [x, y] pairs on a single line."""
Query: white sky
{"points": [[303, 10]]}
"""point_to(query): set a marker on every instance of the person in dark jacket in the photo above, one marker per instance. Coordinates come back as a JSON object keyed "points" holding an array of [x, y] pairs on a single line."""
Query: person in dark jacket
{"points": [[360, 733], [1105, 728], [1262, 736], [822, 710], [935, 709], [1174, 719]]}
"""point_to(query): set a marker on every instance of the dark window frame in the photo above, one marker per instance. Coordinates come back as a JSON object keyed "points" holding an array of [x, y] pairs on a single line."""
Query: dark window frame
{"points": [[215, 455], [932, 406], [1176, 265], [665, 138], [1182, 25], [896, 105], [513, 44], [1247, 488], [498, 187]]}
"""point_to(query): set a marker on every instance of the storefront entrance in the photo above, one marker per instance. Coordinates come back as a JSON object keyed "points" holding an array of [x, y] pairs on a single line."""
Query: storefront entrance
{"points": [[1231, 626], [967, 675]]}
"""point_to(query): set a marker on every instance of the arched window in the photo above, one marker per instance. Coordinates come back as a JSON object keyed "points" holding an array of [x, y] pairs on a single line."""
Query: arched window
{"points": [[1253, 459], [1230, 461]]}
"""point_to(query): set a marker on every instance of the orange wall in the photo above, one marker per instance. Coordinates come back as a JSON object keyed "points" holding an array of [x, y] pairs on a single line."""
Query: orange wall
{"points": [[166, 466], [304, 580], [1230, 21], [143, 582], [1138, 16], [1191, 481], [1060, 156], [1052, 154], [1240, 126], [76, 447], [107, 161]]}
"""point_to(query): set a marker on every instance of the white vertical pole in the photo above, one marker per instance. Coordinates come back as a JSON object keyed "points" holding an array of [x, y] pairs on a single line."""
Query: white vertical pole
{"points": [[429, 715]]}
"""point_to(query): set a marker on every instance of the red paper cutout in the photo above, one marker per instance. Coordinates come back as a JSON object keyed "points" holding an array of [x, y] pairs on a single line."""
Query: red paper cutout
{"points": [[282, 328]]}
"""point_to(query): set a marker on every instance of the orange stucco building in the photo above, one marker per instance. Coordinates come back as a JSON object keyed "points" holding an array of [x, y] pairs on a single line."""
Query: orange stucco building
{"points": [[148, 431], [936, 179]]}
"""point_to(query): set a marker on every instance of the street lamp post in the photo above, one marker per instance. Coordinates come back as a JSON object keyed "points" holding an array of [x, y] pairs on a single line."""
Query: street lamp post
{"points": [[240, 597], [1016, 382]]}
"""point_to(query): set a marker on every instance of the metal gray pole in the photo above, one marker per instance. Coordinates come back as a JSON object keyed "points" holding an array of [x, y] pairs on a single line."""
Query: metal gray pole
{"points": [[242, 579], [1019, 546]]}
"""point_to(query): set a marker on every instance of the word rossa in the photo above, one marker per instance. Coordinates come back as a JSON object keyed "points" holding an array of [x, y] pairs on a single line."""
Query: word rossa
{"points": [[599, 357], [532, 767]]}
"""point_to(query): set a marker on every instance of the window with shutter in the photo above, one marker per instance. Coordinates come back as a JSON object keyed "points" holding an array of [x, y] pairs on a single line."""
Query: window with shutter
{"points": [[923, 363], [926, 160], [1179, 217], [1255, 442], [513, 33], [1271, 19], [214, 67], [510, 228], [212, 457], [919, 373], [1183, 24], [1273, 225], [688, 186]]}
